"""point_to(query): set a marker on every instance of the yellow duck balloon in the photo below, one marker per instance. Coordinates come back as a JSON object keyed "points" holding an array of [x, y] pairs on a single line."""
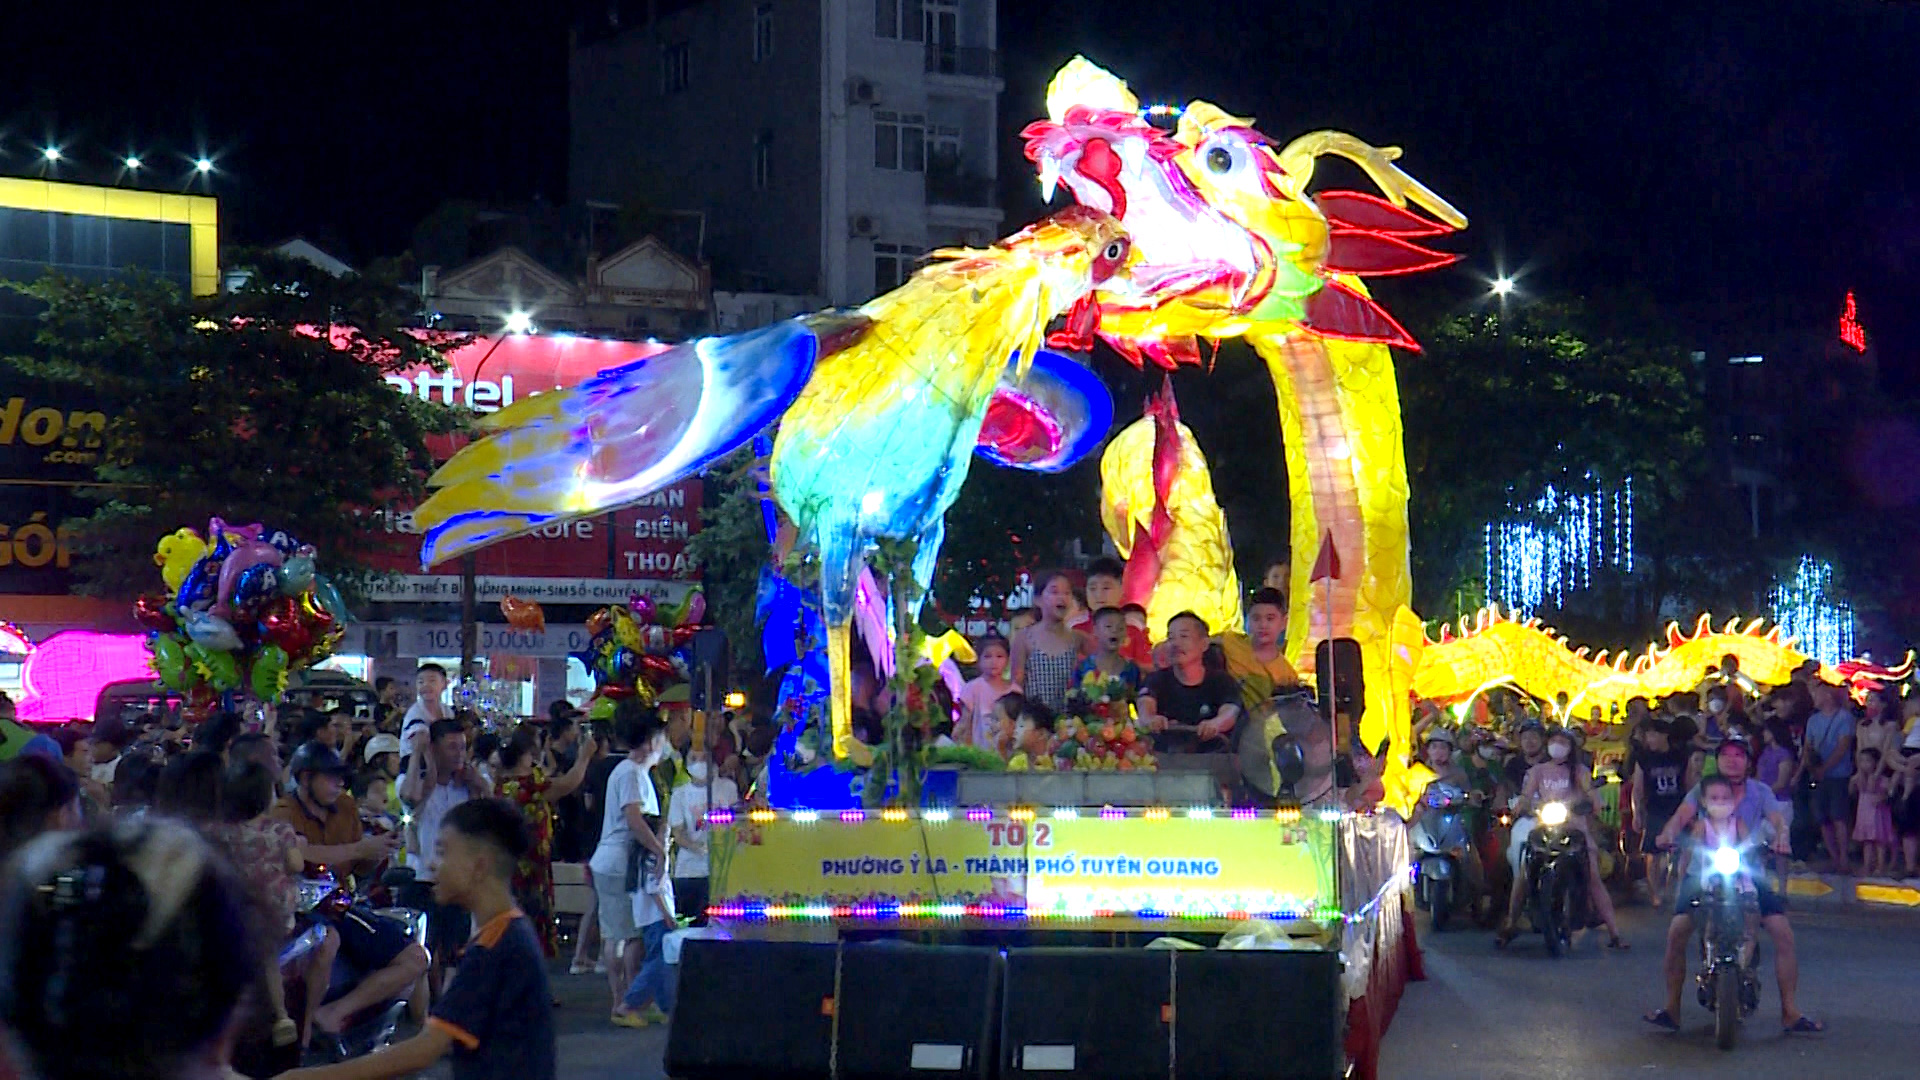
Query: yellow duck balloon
{"points": [[175, 555]]}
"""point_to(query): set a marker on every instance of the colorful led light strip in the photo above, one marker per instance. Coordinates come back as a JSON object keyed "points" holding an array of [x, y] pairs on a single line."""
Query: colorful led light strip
{"points": [[889, 911], [980, 814]]}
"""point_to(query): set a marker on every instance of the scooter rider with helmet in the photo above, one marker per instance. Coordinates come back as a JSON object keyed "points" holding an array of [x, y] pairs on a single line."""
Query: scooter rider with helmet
{"points": [[378, 959], [1439, 753], [1560, 779], [1755, 806]]}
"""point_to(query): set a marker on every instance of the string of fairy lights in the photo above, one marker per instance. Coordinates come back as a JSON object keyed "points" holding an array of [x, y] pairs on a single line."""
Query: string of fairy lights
{"points": [[1808, 610], [1570, 535], [1557, 547]]}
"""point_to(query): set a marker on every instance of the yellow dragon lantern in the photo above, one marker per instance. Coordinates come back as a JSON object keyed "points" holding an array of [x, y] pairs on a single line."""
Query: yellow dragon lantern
{"points": [[1490, 650], [1156, 501], [1229, 243]]}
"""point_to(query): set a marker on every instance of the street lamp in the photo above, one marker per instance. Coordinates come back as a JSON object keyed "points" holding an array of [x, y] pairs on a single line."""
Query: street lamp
{"points": [[1502, 287], [519, 322], [203, 165], [50, 155], [132, 162]]}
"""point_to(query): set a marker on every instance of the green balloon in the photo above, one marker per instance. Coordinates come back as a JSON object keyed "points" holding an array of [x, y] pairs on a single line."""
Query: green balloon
{"points": [[269, 673], [169, 661], [602, 709], [223, 674]]}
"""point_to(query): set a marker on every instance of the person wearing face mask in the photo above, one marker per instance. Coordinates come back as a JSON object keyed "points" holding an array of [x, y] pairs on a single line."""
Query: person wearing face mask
{"points": [[1758, 812], [1486, 781], [1558, 779]]}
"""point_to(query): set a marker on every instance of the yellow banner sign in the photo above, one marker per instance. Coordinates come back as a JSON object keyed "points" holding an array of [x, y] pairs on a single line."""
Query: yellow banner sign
{"points": [[1070, 868]]}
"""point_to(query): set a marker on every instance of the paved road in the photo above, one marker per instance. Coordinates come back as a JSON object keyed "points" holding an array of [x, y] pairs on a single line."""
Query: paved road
{"points": [[1488, 1015], [1483, 1014]]}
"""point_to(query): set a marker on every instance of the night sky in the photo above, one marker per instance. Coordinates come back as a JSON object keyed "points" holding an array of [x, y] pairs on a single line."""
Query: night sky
{"points": [[1723, 155]]}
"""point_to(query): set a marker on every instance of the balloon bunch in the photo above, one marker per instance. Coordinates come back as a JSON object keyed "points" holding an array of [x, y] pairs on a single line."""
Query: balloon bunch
{"points": [[246, 607], [638, 651]]}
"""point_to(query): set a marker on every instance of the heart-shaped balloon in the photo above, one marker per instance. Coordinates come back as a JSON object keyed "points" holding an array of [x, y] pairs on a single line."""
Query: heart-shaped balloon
{"points": [[281, 624]]}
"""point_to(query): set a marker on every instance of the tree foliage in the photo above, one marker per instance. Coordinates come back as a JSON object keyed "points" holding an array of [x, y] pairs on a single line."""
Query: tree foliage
{"points": [[1007, 522], [1502, 405], [731, 548], [234, 405]]}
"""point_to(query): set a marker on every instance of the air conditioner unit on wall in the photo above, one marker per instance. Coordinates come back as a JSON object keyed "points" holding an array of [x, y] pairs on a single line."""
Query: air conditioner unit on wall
{"points": [[864, 226], [862, 91]]}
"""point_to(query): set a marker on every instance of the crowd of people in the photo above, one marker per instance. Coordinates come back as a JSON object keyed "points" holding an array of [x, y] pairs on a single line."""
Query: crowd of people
{"points": [[144, 838], [1812, 774], [143, 834], [1193, 692]]}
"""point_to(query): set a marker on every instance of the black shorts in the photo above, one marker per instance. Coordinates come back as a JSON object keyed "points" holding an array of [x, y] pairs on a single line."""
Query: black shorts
{"points": [[448, 925], [1650, 829], [368, 943], [1770, 901]]}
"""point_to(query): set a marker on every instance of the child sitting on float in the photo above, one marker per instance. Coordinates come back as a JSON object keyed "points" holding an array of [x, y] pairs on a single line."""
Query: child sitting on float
{"points": [[1108, 661]]}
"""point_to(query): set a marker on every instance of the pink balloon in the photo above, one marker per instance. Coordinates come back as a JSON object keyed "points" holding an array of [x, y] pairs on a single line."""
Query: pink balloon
{"points": [[248, 553], [696, 609], [642, 607]]}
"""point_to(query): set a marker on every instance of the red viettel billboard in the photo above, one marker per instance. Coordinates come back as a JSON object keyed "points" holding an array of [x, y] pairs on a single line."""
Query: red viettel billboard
{"points": [[595, 560]]}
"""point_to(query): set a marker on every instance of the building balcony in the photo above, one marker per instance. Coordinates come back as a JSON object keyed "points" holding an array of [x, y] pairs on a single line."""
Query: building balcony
{"points": [[949, 186], [963, 61]]}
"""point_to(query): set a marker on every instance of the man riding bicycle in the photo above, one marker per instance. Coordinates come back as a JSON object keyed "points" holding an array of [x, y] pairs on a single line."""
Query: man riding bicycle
{"points": [[1755, 806]]}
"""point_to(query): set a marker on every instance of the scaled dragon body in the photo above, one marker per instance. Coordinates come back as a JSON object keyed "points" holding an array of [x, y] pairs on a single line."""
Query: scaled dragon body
{"points": [[1491, 650]]}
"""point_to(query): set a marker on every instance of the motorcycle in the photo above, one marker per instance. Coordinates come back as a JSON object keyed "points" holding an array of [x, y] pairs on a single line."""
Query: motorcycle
{"points": [[325, 902], [1442, 846], [1729, 985], [1555, 862]]}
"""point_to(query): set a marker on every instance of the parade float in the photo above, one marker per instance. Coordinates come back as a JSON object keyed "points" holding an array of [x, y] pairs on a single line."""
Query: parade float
{"points": [[1189, 225]]}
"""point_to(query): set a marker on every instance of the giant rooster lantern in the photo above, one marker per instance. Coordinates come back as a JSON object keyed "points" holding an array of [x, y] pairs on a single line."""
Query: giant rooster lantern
{"points": [[1229, 242], [1156, 501], [880, 411]]}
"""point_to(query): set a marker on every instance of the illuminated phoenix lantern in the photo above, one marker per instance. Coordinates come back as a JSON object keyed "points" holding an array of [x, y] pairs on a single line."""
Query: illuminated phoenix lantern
{"points": [[1229, 242]]}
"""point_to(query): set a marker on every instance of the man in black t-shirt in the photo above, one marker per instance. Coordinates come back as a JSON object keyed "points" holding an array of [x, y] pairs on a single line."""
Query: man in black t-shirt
{"points": [[1659, 786], [1191, 708], [1533, 751]]}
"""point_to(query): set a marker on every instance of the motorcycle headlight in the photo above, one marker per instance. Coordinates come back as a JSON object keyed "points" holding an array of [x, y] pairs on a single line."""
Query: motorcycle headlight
{"points": [[1725, 861], [1553, 814]]}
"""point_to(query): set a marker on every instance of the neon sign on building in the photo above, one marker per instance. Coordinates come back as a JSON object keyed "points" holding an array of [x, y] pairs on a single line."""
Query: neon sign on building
{"points": [[1851, 332]]}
